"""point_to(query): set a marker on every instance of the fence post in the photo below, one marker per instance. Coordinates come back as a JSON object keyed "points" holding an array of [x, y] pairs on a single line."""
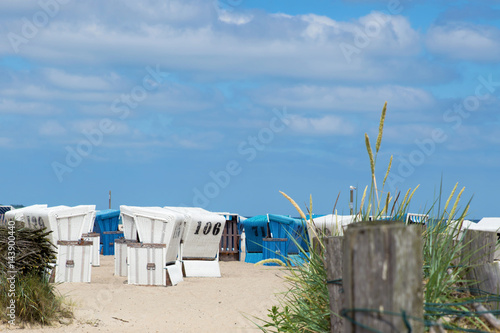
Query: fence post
{"points": [[478, 255], [479, 247], [382, 277], [333, 265]]}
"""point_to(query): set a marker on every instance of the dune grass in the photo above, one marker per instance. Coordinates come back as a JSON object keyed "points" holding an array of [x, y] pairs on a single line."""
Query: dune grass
{"points": [[305, 306], [26, 257], [36, 300]]}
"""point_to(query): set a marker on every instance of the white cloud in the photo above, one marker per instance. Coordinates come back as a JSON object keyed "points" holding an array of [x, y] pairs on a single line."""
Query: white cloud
{"points": [[465, 41], [318, 26], [326, 125], [118, 128], [176, 98], [234, 18], [342, 98], [76, 82], [465, 138], [189, 140], [100, 109], [47, 95], [387, 33], [223, 44], [76, 57], [203, 140], [408, 133], [8, 105], [51, 128]]}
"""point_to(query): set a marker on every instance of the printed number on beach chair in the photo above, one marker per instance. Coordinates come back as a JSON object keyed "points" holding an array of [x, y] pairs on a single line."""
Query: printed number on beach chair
{"points": [[33, 222], [208, 227], [300, 232], [256, 231], [177, 231]]}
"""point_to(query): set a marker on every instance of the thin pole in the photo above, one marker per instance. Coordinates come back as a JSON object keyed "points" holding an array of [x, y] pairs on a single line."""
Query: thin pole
{"points": [[110, 199], [351, 201]]}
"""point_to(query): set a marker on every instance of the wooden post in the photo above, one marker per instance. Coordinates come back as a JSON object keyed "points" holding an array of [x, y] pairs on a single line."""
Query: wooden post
{"points": [[316, 246], [333, 265], [481, 272], [382, 272], [479, 247], [351, 202]]}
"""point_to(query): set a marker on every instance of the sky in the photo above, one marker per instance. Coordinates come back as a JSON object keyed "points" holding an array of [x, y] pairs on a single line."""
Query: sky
{"points": [[221, 104]]}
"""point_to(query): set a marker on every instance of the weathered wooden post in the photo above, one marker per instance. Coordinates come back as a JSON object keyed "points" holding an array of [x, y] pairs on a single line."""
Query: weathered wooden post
{"points": [[479, 247], [333, 265], [382, 273], [481, 272]]}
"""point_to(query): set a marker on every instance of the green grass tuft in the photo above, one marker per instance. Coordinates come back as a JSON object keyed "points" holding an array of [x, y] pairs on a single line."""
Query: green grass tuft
{"points": [[36, 300], [305, 306]]}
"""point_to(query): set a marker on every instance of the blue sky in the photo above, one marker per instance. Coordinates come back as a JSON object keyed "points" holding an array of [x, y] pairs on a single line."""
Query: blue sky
{"points": [[222, 104]]}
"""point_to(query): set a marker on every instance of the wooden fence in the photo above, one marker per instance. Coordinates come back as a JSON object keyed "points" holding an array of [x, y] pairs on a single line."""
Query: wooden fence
{"points": [[374, 275]]}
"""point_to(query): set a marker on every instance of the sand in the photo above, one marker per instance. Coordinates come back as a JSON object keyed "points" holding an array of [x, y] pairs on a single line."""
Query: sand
{"points": [[108, 304]]}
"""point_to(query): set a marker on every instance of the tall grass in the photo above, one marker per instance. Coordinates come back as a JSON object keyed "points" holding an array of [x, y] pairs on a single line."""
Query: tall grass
{"points": [[305, 306], [445, 262], [443, 245], [36, 300]]}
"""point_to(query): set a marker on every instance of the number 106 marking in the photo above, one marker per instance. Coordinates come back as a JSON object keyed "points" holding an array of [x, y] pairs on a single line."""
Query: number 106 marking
{"points": [[208, 227]]}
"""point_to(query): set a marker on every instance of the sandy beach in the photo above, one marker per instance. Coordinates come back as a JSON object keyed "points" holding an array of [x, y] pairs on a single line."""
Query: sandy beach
{"points": [[109, 304]]}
